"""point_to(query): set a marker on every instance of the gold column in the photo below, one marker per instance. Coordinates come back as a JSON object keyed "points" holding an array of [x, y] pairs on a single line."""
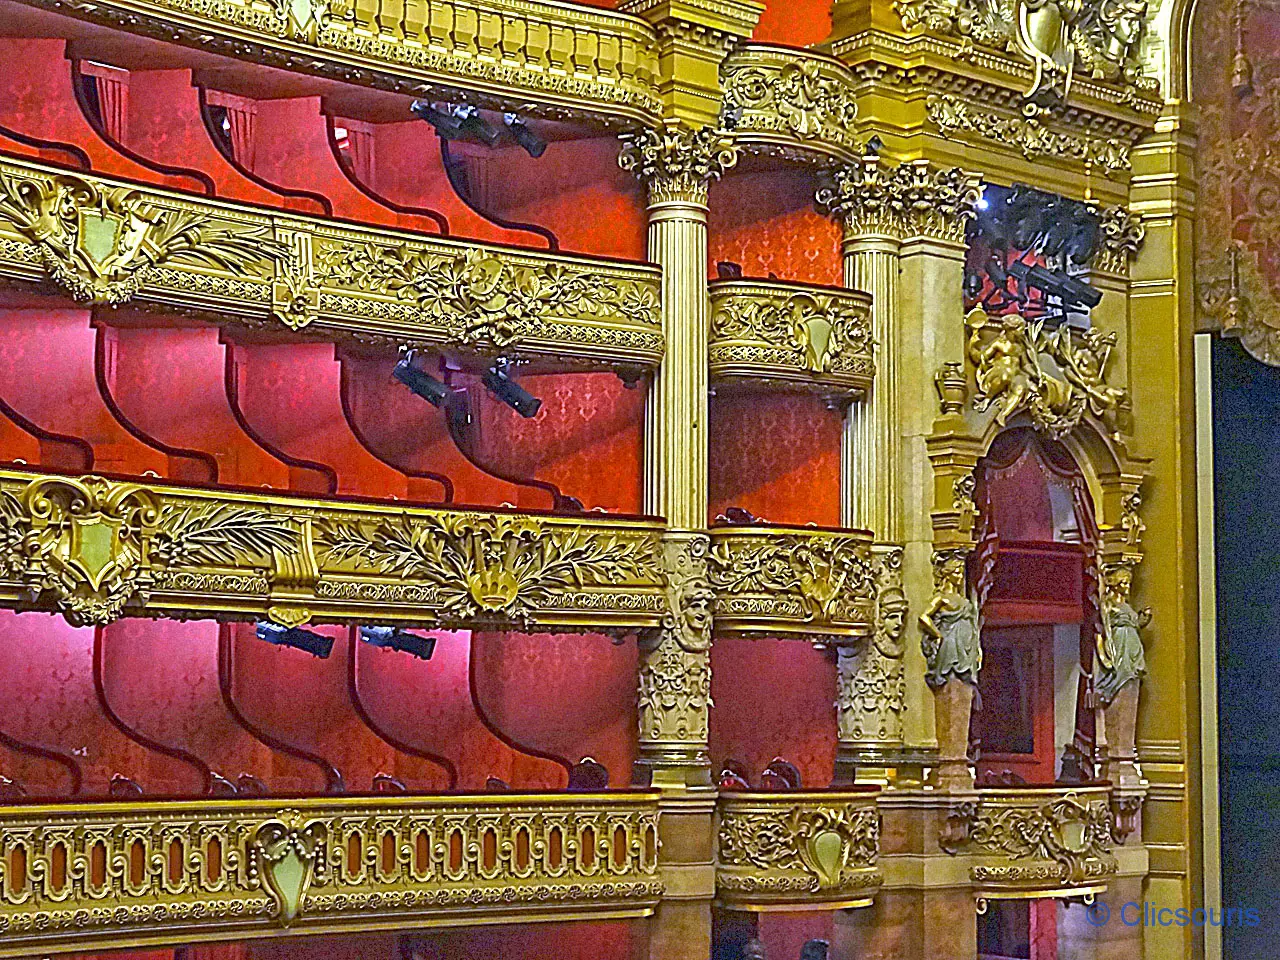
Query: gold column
{"points": [[1161, 360], [677, 164]]}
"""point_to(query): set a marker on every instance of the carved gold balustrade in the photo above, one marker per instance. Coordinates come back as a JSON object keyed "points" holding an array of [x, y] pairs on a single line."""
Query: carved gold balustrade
{"points": [[98, 549], [778, 581], [772, 332], [106, 242], [109, 875], [1029, 842], [531, 54], [801, 850], [792, 103]]}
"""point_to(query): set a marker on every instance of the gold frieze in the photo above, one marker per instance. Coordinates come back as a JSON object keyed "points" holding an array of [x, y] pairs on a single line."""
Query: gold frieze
{"points": [[766, 331], [96, 549], [147, 873], [810, 582], [801, 850], [109, 243]]}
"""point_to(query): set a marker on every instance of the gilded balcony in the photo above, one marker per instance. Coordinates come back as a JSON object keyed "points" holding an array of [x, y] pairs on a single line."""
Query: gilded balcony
{"points": [[813, 583], [107, 875], [1031, 842], [559, 55], [779, 334], [792, 103], [108, 242], [801, 850], [97, 549]]}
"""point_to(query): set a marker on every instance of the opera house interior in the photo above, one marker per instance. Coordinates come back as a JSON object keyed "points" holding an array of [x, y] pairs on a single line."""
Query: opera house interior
{"points": [[639, 479]]}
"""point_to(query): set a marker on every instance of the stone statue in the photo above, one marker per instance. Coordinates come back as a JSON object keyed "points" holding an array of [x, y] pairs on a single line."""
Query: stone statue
{"points": [[1121, 657], [951, 629]]}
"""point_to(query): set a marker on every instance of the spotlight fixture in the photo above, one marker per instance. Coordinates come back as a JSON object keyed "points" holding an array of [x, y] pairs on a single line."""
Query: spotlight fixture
{"points": [[423, 384], [446, 126], [533, 144], [509, 392], [296, 637], [1073, 292], [474, 126], [389, 638]]}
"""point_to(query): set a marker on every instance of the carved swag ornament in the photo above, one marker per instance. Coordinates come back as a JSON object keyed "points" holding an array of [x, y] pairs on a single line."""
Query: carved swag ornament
{"points": [[99, 243]]}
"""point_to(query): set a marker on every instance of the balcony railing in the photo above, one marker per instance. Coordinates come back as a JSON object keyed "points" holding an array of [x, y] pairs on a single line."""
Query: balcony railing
{"points": [[102, 876], [798, 850], [778, 581], [107, 242], [770, 331], [505, 53], [792, 102], [1026, 842], [97, 549]]}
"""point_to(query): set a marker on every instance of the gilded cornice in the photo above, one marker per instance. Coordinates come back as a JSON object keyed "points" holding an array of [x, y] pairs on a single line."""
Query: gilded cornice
{"points": [[212, 869], [1028, 132], [797, 849], [1035, 840], [678, 162], [790, 102], [807, 582], [767, 331], [914, 199], [105, 242], [1098, 39], [96, 550], [539, 57]]}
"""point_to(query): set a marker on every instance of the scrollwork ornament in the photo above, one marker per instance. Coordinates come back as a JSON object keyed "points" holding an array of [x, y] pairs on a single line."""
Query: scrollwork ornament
{"points": [[677, 162], [1120, 237], [801, 97], [823, 332], [1071, 831], [100, 242], [834, 844]]}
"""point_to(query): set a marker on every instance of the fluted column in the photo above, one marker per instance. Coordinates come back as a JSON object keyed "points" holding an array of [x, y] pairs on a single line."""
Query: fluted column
{"points": [[677, 164], [904, 243]]}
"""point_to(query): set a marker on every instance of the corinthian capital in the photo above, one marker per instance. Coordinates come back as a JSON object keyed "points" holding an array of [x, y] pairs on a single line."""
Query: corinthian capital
{"points": [[677, 162], [914, 199], [1120, 237]]}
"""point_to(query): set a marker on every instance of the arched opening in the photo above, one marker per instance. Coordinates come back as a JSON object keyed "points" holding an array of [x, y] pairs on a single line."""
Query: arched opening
{"points": [[1034, 572]]}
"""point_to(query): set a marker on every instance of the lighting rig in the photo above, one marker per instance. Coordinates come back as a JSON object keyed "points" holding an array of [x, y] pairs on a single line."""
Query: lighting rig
{"points": [[465, 122], [305, 640], [391, 638]]}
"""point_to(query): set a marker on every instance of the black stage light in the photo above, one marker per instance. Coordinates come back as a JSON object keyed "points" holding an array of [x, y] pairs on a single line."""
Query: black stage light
{"points": [[423, 384], [475, 126], [728, 270], [446, 126], [1071, 291], [533, 144], [392, 639], [510, 392], [1075, 292], [296, 637]]}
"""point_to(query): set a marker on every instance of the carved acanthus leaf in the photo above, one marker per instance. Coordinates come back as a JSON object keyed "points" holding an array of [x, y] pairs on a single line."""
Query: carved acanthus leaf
{"points": [[914, 199], [1028, 132], [676, 162]]}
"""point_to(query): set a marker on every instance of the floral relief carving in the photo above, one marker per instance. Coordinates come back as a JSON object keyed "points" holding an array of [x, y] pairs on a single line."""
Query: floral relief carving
{"points": [[821, 332], [493, 567], [677, 162], [807, 99], [481, 297], [1072, 831], [101, 242], [779, 848]]}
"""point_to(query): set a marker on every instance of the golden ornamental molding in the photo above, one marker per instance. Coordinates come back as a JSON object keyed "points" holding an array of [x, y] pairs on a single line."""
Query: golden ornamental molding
{"points": [[1057, 376], [791, 102], [678, 162], [76, 877], [1036, 841], [1120, 237], [912, 199], [97, 549], [546, 58], [769, 331], [808, 582], [1101, 39], [102, 242], [797, 850], [1029, 133]]}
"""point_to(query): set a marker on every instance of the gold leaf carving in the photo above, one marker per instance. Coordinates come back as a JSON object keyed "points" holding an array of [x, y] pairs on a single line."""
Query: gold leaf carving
{"points": [[100, 242]]}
